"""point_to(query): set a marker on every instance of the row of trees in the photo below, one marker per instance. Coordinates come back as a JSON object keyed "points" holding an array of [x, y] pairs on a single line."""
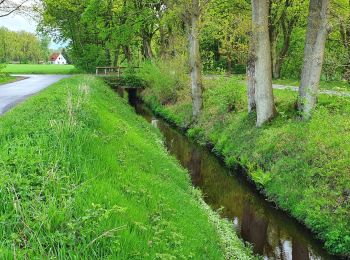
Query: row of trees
{"points": [[22, 47], [260, 93], [268, 35]]}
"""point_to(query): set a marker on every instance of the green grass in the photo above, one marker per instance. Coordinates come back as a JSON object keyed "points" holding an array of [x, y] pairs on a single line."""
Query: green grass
{"points": [[84, 177], [302, 166], [6, 79], [40, 69], [332, 85]]}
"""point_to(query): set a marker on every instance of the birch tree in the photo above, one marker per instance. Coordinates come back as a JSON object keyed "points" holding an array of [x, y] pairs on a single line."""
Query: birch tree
{"points": [[261, 55], [251, 81], [192, 10], [313, 56], [195, 60]]}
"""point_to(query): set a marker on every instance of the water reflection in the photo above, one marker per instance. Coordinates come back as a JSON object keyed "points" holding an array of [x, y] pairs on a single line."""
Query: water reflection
{"points": [[272, 233]]}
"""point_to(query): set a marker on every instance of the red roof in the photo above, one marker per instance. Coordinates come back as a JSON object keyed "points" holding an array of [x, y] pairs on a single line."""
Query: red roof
{"points": [[54, 56]]}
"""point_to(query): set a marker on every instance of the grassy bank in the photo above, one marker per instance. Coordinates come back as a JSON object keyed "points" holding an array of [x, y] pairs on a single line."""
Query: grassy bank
{"points": [[6, 79], [84, 177], [40, 69], [302, 166]]}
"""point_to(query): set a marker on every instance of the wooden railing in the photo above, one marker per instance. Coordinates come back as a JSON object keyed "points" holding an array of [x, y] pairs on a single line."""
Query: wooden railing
{"points": [[112, 70]]}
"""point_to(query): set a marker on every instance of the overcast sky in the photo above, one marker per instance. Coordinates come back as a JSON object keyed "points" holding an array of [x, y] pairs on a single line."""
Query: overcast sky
{"points": [[20, 22]]}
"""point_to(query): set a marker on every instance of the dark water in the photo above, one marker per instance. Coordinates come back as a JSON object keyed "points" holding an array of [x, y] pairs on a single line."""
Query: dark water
{"points": [[272, 232]]}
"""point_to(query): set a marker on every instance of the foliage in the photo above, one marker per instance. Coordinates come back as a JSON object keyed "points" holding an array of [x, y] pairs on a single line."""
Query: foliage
{"points": [[40, 69], [164, 79], [90, 179], [293, 63], [2, 67], [116, 32], [22, 47], [102, 32], [225, 34], [302, 166]]}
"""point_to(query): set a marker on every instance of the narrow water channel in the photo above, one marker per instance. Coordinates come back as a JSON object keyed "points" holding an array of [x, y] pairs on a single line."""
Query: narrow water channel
{"points": [[272, 232]]}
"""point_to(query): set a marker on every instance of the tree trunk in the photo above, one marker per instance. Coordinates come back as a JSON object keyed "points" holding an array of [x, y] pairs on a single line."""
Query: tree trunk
{"points": [[108, 56], [195, 60], [313, 56], [116, 56], [274, 55], [146, 47], [127, 53], [251, 82], [163, 43], [287, 28], [229, 66], [265, 108], [276, 70]]}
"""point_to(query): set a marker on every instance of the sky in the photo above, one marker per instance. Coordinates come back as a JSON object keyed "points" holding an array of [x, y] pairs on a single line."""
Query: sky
{"points": [[20, 22]]}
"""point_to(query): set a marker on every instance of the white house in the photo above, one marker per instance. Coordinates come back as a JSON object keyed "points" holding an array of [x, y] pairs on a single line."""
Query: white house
{"points": [[57, 58]]}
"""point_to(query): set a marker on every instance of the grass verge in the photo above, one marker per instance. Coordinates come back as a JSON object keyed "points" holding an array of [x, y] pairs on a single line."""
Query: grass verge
{"points": [[6, 79], [302, 166], [82, 176], [40, 69]]}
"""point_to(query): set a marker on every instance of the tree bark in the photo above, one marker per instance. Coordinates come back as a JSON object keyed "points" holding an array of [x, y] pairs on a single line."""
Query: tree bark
{"points": [[195, 60], [229, 65], [265, 108], [146, 47], [274, 52], [251, 81], [116, 56], [127, 53], [287, 28], [313, 56], [163, 42]]}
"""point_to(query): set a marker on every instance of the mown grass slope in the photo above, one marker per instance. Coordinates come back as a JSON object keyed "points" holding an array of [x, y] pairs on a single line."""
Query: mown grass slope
{"points": [[83, 177], [40, 69], [303, 166]]}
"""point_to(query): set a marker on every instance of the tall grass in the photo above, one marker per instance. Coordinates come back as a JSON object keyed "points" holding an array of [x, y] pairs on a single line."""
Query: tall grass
{"points": [[83, 177]]}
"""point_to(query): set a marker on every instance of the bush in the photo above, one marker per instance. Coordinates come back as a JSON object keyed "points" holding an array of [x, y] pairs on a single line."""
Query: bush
{"points": [[2, 74], [164, 79]]}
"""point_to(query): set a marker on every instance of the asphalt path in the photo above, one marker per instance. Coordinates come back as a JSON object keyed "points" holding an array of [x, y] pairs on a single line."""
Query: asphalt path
{"points": [[13, 93]]}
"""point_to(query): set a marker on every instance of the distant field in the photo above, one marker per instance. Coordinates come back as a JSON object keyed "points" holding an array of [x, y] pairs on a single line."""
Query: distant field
{"points": [[40, 69]]}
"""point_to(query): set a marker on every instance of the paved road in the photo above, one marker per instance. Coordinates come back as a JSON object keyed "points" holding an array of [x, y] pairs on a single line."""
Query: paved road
{"points": [[321, 91], [13, 93], [330, 92]]}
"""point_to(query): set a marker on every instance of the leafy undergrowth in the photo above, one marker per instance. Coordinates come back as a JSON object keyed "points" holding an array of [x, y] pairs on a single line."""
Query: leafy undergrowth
{"points": [[83, 177], [302, 166]]}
